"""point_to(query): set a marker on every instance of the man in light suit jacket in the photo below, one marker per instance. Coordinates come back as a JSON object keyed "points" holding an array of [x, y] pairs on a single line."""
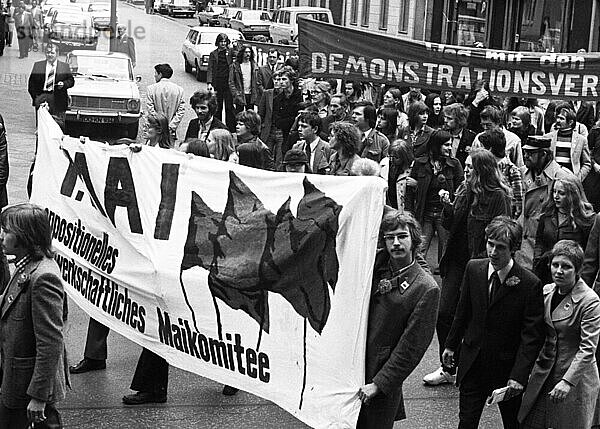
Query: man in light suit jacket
{"points": [[165, 97], [317, 150], [49, 81], [499, 321], [374, 144], [570, 149], [402, 317]]}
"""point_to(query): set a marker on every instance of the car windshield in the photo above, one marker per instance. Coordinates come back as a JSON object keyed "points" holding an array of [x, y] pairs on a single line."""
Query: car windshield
{"points": [[96, 7], [70, 19], [256, 15], [101, 66], [211, 38], [314, 15]]}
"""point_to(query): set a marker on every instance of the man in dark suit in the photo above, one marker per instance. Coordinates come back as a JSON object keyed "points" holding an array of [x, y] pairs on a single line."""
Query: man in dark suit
{"points": [[585, 113], [500, 322], [204, 104], [217, 78], [124, 43], [264, 75], [402, 316], [24, 25], [317, 150], [49, 81]]}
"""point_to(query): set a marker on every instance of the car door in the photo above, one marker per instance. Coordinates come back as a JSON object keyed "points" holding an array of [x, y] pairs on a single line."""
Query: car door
{"points": [[237, 21]]}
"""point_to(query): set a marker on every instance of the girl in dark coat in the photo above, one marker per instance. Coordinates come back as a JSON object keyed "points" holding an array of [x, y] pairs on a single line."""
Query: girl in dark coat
{"points": [[566, 216]]}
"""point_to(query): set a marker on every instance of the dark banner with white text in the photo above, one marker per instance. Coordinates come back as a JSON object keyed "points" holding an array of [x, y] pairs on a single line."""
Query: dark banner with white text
{"points": [[330, 51]]}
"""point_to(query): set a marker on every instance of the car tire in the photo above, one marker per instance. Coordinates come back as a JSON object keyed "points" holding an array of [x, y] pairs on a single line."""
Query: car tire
{"points": [[200, 75], [131, 130], [186, 65]]}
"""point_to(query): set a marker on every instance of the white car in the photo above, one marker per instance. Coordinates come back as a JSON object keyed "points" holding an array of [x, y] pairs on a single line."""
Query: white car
{"points": [[284, 24], [227, 14], [181, 7], [210, 15], [199, 43], [105, 91], [251, 23], [100, 12]]}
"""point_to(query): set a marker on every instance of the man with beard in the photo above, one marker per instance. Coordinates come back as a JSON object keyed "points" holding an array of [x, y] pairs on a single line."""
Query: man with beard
{"points": [[402, 316], [339, 108], [205, 106]]}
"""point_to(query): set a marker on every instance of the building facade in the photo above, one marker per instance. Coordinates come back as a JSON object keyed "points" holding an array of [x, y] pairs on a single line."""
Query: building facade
{"points": [[518, 25], [401, 18]]}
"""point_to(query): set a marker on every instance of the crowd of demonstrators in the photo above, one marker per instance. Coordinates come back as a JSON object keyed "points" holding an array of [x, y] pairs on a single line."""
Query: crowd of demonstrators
{"points": [[507, 183]]}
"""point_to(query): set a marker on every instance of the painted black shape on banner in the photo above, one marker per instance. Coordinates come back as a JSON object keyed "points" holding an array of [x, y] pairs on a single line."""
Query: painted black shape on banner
{"points": [[120, 192], [250, 251]]}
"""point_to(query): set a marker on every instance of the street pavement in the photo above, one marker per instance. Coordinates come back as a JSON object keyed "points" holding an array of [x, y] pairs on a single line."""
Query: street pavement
{"points": [[193, 401]]}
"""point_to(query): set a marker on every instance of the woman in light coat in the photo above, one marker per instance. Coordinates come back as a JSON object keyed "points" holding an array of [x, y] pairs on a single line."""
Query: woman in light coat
{"points": [[563, 387]]}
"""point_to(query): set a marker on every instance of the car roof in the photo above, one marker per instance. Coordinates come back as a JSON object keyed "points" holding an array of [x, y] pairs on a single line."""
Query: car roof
{"points": [[304, 9], [86, 53], [214, 30]]}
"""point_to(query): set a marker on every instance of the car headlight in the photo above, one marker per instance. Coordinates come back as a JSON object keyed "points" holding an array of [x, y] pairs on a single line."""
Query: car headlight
{"points": [[133, 105], [205, 59]]}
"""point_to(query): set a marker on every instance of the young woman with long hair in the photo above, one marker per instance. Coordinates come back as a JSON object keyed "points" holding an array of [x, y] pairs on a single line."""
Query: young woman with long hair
{"points": [[387, 123], [481, 197], [566, 216], [400, 162], [436, 116], [158, 133], [419, 132]]}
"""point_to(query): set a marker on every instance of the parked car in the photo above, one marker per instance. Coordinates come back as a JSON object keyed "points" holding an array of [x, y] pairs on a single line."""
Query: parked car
{"points": [[160, 6], [227, 14], [284, 24], [49, 14], [72, 30], [100, 12], [53, 3], [135, 1], [105, 91], [210, 15], [199, 43], [181, 7], [251, 23]]}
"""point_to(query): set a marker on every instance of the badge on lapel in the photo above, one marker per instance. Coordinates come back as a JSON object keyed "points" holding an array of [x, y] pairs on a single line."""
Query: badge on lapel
{"points": [[384, 286], [23, 278], [403, 286], [10, 299]]}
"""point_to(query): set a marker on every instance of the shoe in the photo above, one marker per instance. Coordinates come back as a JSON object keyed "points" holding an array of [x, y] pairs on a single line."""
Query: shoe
{"points": [[87, 365], [229, 390], [140, 398], [439, 377]]}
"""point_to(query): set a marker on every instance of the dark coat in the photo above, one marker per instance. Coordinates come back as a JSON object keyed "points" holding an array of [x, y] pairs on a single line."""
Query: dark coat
{"points": [[420, 142], [374, 147], [37, 80], [466, 141], [236, 84], [31, 336], [265, 110], [401, 327], [4, 167], [211, 71], [264, 78], [193, 128], [549, 232], [126, 45], [507, 334], [591, 261], [422, 172], [254, 153], [585, 114]]}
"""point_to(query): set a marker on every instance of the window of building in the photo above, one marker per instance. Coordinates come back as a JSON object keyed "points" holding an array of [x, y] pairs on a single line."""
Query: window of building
{"points": [[354, 12], [383, 14], [366, 7], [312, 3], [404, 13], [323, 3]]}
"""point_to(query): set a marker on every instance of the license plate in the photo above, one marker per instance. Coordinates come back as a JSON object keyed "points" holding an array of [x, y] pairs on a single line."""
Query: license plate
{"points": [[98, 119]]}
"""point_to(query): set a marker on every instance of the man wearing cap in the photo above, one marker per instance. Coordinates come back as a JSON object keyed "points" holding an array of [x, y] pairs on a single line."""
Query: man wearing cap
{"points": [[539, 172], [296, 161], [316, 149], [570, 149]]}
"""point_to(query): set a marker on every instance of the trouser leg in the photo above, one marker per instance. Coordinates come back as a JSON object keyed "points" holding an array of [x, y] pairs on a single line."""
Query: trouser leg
{"points": [[95, 344], [151, 374]]}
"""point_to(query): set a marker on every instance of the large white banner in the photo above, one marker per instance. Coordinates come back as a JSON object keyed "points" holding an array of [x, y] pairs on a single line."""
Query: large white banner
{"points": [[254, 279]]}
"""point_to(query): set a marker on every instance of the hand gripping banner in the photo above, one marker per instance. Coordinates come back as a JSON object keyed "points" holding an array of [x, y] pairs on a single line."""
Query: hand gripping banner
{"points": [[255, 279]]}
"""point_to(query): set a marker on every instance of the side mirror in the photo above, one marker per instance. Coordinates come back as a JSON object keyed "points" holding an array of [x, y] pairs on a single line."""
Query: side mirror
{"points": [[138, 79]]}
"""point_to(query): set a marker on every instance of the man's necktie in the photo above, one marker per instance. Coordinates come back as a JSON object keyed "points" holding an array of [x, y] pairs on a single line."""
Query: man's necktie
{"points": [[50, 79], [308, 152], [495, 286]]}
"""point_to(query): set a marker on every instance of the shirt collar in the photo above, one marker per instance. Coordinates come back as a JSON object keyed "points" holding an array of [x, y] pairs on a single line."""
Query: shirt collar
{"points": [[502, 273], [367, 133], [458, 135], [402, 270]]}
